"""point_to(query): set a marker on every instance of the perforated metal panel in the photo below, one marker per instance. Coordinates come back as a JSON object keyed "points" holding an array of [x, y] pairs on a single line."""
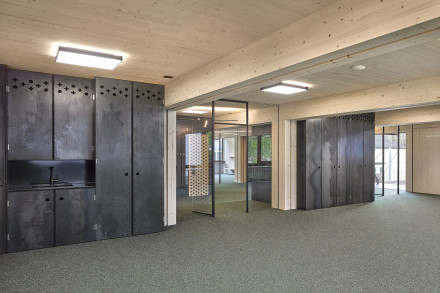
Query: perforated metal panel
{"points": [[29, 115], [74, 115], [198, 177], [113, 153], [148, 154]]}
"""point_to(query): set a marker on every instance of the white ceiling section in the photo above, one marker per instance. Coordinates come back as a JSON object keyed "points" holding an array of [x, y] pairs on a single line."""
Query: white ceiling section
{"points": [[157, 38]]}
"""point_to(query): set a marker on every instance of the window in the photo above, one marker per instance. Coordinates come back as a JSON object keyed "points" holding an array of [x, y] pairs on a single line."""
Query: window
{"points": [[260, 150], [266, 148]]}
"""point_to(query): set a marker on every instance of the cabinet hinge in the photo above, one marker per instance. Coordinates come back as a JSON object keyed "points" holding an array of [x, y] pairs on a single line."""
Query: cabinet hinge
{"points": [[8, 237], [95, 227], [7, 88], [7, 203], [163, 101], [93, 97], [94, 197], [8, 146], [96, 162]]}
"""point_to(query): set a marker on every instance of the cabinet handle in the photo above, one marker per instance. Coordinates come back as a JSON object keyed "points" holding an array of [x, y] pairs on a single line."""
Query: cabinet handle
{"points": [[126, 174], [47, 199], [61, 198], [137, 173]]}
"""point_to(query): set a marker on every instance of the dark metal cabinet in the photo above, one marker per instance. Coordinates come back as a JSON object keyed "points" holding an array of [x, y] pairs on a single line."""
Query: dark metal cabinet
{"points": [[73, 118], [342, 166], [113, 153], [75, 216], [309, 164], [356, 159], [30, 220], [344, 147], [329, 161], [369, 146], [2, 158], [148, 158], [29, 115]]}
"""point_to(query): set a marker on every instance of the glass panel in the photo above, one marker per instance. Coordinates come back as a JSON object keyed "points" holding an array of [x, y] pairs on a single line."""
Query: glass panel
{"points": [[253, 150], [260, 171], [405, 157], [266, 148], [390, 164], [230, 185], [378, 161]]}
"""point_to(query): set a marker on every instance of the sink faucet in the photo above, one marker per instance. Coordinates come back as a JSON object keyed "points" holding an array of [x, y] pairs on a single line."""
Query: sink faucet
{"points": [[52, 180]]}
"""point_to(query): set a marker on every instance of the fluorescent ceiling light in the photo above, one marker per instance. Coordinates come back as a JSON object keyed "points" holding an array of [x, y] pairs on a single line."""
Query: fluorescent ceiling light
{"points": [[285, 88], [194, 112], [87, 58]]}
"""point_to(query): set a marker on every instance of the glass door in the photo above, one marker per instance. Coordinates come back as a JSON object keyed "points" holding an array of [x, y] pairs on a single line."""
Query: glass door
{"points": [[230, 135]]}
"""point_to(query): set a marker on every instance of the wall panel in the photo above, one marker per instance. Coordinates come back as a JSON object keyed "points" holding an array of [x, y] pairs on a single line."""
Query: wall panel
{"points": [[148, 163], [2, 159], [113, 153], [329, 161]]}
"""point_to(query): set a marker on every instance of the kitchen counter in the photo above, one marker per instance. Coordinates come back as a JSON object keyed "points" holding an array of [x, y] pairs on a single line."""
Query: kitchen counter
{"points": [[29, 187]]}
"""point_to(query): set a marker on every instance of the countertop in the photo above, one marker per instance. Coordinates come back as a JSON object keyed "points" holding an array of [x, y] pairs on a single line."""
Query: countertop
{"points": [[28, 187]]}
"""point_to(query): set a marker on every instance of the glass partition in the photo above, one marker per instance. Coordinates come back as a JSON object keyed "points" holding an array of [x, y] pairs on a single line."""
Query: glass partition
{"points": [[378, 163]]}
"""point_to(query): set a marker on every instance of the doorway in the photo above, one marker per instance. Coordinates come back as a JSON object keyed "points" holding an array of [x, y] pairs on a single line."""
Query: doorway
{"points": [[391, 160]]}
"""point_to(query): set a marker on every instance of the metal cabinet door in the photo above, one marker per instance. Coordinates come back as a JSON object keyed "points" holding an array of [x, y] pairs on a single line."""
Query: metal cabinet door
{"points": [[369, 147], [342, 166], [113, 154], [313, 164], [329, 161], [2, 158], [356, 159], [73, 118], [30, 220], [75, 216], [29, 115], [148, 158]]}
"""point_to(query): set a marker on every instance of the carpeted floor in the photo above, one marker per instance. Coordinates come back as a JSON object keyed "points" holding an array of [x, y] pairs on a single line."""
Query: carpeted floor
{"points": [[230, 197], [391, 245]]}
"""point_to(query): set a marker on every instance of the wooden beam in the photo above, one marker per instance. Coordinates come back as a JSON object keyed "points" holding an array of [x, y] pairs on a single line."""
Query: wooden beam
{"points": [[395, 96], [408, 116], [171, 182], [347, 27]]}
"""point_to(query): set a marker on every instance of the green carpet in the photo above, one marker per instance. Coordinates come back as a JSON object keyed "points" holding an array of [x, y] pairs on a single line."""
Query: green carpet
{"points": [[391, 245], [230, 198]]}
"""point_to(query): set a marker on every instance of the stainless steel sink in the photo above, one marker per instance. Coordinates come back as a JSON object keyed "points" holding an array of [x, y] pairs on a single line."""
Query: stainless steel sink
{"points": [[45, 185]]}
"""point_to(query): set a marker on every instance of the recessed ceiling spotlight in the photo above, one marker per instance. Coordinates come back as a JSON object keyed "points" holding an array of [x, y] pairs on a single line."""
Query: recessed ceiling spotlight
{"points": [[285, 88], [358, 67], [87, 58]]}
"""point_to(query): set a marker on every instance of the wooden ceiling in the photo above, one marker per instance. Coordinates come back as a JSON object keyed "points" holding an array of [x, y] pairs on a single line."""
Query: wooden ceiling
{"points": [[158, 38], [416, 62]]}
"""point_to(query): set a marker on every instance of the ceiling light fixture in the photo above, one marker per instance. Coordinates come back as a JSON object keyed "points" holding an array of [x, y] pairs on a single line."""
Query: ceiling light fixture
{"points": [[284, 88], [358, 67], [87, 58], [194, 112]]}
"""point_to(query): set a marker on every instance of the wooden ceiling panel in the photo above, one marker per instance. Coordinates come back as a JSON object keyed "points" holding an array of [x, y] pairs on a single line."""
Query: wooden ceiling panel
{"points": [[416, 62], [159, 37]]}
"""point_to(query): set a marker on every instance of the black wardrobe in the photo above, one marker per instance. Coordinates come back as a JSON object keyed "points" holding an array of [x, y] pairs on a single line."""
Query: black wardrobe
{"points": [[335, 161]]}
